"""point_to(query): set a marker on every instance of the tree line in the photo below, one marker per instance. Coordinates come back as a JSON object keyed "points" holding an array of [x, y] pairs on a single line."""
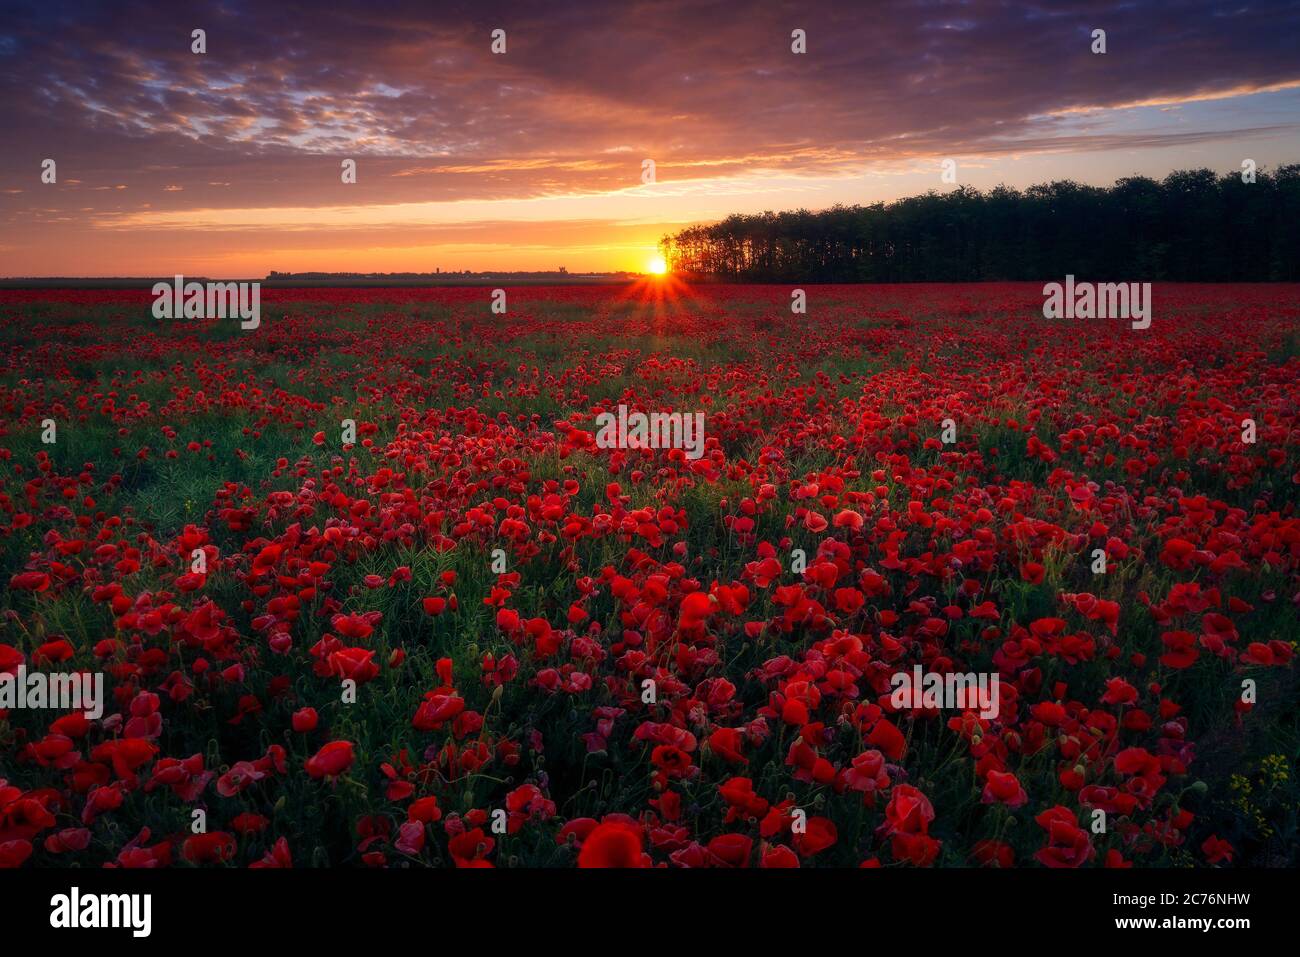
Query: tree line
{"points": [[1192, 226]]}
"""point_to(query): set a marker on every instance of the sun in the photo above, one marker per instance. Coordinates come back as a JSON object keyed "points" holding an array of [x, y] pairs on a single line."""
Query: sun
{"points": [[657, 266]]}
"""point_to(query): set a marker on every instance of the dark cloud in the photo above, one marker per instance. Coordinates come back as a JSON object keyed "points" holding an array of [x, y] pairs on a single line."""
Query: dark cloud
{"points": [[584, 92]]}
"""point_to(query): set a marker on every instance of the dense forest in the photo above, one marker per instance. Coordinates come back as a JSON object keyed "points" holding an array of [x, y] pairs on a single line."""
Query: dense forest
{"points": [[1192, 226]]}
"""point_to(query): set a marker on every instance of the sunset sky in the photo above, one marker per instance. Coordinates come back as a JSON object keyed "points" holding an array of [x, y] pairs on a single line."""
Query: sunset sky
{"points": [[227, 164]]}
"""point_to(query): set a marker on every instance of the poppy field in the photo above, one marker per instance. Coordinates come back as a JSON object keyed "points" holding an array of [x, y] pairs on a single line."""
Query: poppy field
{"points": [[365, 590]]}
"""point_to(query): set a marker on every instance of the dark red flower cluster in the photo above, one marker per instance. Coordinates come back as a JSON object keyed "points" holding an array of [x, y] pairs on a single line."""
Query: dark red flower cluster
{"points": [[465, 633]]}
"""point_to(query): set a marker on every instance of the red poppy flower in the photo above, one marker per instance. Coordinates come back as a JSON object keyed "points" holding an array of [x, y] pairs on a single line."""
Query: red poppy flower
{"points": [[332, 760], [1002, 788], [613, 844]]}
